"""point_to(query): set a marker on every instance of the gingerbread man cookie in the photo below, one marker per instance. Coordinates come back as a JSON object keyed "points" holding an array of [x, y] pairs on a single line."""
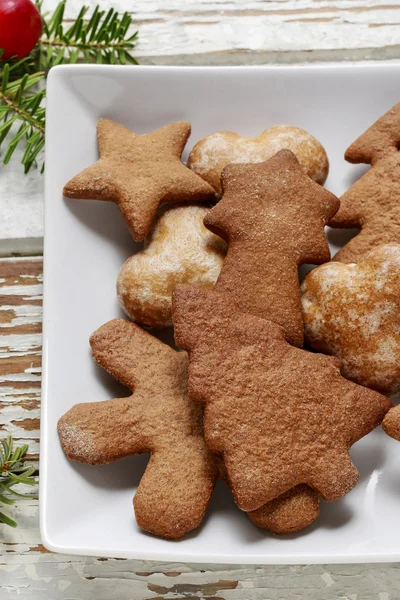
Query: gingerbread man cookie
{"points": [[280, 416], [139, 172], [272, 215], [159, 418], [353, 312], [372, 202]]}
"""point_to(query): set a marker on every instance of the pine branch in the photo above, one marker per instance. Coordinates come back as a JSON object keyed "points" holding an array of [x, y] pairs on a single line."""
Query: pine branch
{"points": [[13, 471], [101, 39], [21, 108]]}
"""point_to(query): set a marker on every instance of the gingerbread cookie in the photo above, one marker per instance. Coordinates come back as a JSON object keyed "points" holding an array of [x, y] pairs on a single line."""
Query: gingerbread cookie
{"points": [[290, 512], [353, 312], [159, 418], [372, 202], [139, 172], [280, 416], [179, 250], [211, 154], [272, 215], [391, 423]]}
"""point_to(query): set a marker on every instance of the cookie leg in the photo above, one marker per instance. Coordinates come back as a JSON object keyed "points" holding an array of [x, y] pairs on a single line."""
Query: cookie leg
{"points": [[292, 511], [175, 490], [97, 432]]}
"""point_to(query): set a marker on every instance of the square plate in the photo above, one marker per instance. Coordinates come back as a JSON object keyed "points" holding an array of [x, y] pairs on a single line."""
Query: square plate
{"points": [[88, 510]]}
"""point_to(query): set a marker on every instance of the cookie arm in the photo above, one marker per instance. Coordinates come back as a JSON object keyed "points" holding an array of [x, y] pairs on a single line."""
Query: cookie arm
{"points": [[99, 432], [381, 140], [130, 354], [391, 423], [175, 490]]}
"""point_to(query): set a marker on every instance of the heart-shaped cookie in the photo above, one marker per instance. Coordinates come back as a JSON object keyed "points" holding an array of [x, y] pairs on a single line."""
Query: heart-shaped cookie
{"points": [[212, 153], [179, 250], [353, 312]]}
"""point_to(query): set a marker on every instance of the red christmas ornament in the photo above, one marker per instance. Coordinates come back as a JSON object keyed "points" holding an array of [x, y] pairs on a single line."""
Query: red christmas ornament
{"points": [[20, 28]]}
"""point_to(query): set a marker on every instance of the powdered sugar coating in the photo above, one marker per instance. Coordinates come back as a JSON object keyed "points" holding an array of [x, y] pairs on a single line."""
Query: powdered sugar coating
{"points": [[179, 250], [211, 154], [353, 312]]}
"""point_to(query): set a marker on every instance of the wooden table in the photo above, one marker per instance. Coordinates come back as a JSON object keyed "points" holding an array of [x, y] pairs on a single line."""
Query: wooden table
{"points": [[177, 32]]}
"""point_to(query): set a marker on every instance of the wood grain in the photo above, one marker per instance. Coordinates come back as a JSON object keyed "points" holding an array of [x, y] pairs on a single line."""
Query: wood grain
{"points": [[28, 570]]}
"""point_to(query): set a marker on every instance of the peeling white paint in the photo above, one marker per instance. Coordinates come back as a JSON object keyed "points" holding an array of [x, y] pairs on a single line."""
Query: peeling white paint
{"points": [[27, 291], [24, 315], [19, 343], [327, 577]]}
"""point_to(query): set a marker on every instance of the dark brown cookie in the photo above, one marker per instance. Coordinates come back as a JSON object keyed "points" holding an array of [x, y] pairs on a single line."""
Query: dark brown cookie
{"points": [[280, 416], [158, 418], [372, 202], [272, 215], [139, 172]]}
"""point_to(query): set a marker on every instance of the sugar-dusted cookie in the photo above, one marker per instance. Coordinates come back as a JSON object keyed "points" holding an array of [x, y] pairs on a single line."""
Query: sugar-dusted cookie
{"points": [[353, 312], [391, 423], [159, 418], [212, 153], [272, 215], [279, 415], [372, 202], [179, 250], [139, 172]]}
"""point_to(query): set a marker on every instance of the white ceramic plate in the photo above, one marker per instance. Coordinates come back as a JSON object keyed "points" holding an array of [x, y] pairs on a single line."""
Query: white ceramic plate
{"points": [[88, 510]]}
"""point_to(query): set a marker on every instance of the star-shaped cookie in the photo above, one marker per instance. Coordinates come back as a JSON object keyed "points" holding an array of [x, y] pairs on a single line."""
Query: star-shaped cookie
{"points": [[281, 416], [139, 172]]}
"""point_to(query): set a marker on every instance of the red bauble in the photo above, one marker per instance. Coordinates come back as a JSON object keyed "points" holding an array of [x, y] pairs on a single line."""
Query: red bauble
{"points": [[20, 27]]}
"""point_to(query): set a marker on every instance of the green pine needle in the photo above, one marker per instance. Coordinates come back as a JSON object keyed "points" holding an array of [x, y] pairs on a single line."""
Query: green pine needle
{"points": [[102, 39], [13, 471]]}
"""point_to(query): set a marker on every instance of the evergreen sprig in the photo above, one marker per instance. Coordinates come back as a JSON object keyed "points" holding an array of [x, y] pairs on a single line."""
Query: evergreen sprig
{"points": [[102, 39], [13, 471]]}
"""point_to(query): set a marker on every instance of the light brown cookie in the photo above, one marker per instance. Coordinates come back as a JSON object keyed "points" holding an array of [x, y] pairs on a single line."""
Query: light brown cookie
{"points": [[353, 312], [272, 215], [280, 416], [159, 418], [139, 172], [372, 202], [391, 423], [179, 250], [212, 153]]}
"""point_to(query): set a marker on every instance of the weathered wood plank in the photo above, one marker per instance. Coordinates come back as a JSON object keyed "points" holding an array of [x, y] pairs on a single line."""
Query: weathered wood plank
{"points": [[220, 26]]}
